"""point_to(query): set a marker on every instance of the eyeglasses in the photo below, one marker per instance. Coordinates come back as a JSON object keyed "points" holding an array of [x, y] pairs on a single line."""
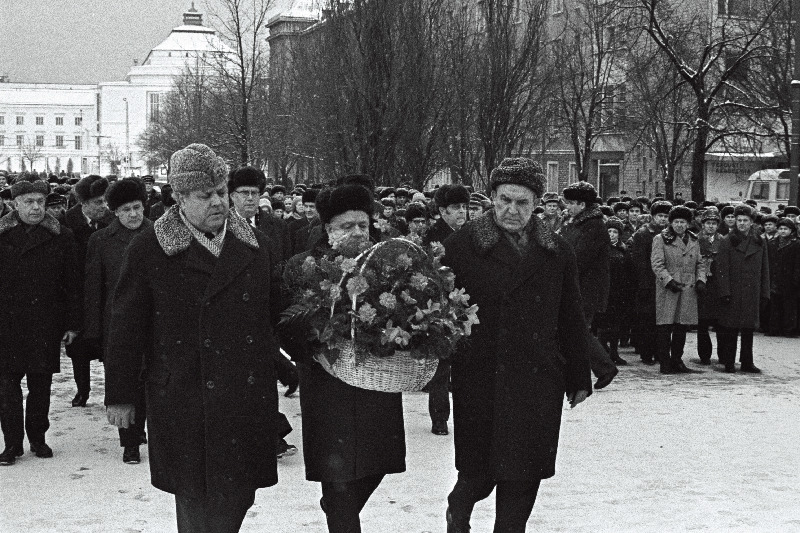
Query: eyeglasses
{"points": [[249, 194], [418, 221]]}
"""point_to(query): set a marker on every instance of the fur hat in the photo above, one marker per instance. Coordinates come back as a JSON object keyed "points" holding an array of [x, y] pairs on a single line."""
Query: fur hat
{"points": [[710, 214], [124, 191], [582, 191], [352, 197], [708, 203], [626, 199], [691, 204], [415, 210], [791, 210], [607, 211], [419, 197], [386, 192], [788, 223], [680, 211], [660, 206], [478, 200], [614, 222], [770, 218], [751, 203], [148, 179], [550, 197], [744, 210], [766, 210], [28, 185], [388, 202], [519, 171], [538, 210], [611, 200], [620, 206], [725, 211], [310, 195], [451, 194], [635, 203], [401, 193], [277, 204], [196, 167], [55, 199], [276, 189], [247, 177], [90, 187]]}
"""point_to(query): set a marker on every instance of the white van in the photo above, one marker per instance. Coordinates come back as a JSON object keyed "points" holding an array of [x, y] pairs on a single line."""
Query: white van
{"points": [[769, 187]]}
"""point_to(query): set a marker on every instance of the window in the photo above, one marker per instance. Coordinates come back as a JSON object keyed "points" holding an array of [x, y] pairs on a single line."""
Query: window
{"points": [[20, 140], [79, 121], [78, 142], [20, 120], [2, 120], [760, 190], [59, 141], [738, 8], [153, 104], [40, 121], [552, 175], [59, 121], [783, 191], [573, 172], [40, 140]]}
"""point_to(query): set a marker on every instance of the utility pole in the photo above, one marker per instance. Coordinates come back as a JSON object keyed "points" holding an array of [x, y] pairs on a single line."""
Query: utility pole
{"points": [[127, 138]]}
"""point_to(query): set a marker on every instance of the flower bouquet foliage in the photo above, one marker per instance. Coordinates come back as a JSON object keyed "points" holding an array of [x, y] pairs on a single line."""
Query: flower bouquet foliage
{"points": [[382, 300]]}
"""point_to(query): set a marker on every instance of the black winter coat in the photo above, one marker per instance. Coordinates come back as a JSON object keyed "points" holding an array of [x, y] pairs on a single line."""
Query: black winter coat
{"points": [[784, 267], [40, 294], [641, 250], [202, 329], [621, 288], [530, 348], [742, 275], [280, 242], [438, 232], [348, 433], [588, 236], [708, 302], [103, 264]]}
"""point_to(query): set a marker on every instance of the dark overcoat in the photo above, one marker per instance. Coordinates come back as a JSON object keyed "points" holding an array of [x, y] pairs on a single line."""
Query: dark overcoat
{"points": [[278, 233], [438, 232], [784, 267], [530, 348], [742, 275], [40, 294], [348, 433], [202, 328], [103, 264], [588, 236], [708, 302], [641, 250]]}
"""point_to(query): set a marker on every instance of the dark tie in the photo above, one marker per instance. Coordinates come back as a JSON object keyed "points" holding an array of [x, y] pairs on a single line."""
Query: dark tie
{"points": [[209, 236]]}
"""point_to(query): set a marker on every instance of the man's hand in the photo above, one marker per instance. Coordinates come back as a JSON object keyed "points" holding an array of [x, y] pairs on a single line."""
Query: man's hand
{"points": [[700, 287], [69, 337], [120, 415], [577, 397], [674, 286]]}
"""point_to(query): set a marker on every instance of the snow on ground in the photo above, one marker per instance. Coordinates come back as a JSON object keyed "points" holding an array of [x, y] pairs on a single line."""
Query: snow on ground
{"points": [[704, 452]]}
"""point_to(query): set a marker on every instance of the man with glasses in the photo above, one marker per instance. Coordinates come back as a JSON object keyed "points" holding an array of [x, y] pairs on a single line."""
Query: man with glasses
{"points": [[417, 219]]}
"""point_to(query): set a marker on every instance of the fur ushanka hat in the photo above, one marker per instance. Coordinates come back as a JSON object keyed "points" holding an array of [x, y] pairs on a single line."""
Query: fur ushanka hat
{"points": [[682, 212], [247, 177], [661, 206], [28, 185], [519, 171], [90, 187], [744, 210], [451, 194], [550, 197], [791, 210], [710, 213], [582, 191], [615, 223], [787, 222], [125, 191], [196, 167], [332, 202]]}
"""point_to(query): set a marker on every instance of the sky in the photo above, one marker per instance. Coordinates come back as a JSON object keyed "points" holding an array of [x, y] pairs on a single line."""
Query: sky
{"points": [[84, 41]]}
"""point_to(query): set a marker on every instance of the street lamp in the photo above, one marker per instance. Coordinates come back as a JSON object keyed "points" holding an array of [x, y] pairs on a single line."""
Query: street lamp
{"points": [[127, 136]]}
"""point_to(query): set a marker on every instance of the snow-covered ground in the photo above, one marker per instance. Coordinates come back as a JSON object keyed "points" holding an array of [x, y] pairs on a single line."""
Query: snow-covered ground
{"points": [[702, 452]]}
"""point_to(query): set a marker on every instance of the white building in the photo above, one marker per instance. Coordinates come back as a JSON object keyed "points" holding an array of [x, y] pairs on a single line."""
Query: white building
{"points": [[98, 126]]}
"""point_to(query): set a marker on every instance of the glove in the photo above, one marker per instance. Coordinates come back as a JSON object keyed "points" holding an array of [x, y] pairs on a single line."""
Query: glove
{"points": [[725, 300], [673, 286], [700, 287]]}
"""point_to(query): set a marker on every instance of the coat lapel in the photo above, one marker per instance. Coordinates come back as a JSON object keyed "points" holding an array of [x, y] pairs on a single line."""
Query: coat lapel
{"points": [[234, 259]]}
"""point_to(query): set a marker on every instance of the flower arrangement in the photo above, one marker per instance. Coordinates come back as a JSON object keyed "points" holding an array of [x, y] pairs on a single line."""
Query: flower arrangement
{"points": [[391, 297]]}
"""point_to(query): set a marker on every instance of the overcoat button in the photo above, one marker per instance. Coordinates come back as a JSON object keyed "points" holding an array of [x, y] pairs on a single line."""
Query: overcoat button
{"points": [[245, 296], [209, 384], [251, 380], [207, 343], [249, 339]]}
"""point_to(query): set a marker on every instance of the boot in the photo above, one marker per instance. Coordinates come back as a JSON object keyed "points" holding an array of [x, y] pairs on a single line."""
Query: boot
{"points": [[453, 526]]}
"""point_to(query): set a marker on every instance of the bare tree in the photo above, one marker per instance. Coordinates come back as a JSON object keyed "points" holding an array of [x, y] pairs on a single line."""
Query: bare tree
{"points": [[30, 151], [713, 55], [113, 153]]}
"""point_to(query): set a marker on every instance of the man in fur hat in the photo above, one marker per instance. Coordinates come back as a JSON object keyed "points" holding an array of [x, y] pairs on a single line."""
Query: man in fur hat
{"points": [[528, 352], [193, 310], [586, 231], [152, 194], [707, 301], [89, 215], [125, 198], [552, 211], [41, 307]]}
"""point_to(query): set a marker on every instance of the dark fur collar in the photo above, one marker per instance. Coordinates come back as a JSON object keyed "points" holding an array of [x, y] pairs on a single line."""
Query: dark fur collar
{"points": [[11, 220], [669, 235], [174, 237], [737, 237], [587, 214], [486, 233]]}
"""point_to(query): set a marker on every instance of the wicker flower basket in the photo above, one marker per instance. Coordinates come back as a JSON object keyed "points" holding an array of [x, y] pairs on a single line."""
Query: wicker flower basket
{"points": [[397, 373]]}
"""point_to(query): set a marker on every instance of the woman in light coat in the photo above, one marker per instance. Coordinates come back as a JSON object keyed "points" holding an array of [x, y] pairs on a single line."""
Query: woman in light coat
{"points": [[680, 275]]}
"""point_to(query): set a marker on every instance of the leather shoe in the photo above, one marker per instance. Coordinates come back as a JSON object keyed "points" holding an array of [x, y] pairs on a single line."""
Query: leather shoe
{"points": [[292, 388], [452, 527], [705, 360], [619, 361], [440, 428], [131, 455], [42, 450], [605, 379], [10, 454], [750, 369], [681, 368], [730, 369], [80, 400]]}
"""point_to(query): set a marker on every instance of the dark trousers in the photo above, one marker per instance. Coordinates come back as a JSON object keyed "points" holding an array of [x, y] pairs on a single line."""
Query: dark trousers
{"points": [[36, 422], [726, 345], [670, 342], [783, 320], [645, 328], [196, 516], [704, 346], [513, 507], [134, 434], [342, 502], [439, 393], [599, 360], [82, 352]]}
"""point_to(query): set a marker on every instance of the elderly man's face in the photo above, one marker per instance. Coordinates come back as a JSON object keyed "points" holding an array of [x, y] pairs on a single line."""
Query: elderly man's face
{"points": [[245, 200], [31, 207], [95, 208], [710, 227], [551, 208], [131, 215], [206, 209], [513, 206], [770, 227], [351, 225], [743, 223], [574, 207], [454, 215]]}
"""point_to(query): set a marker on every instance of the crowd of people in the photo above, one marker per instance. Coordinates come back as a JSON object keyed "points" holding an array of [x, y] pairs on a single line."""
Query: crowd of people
{"points": [[179, 291]]}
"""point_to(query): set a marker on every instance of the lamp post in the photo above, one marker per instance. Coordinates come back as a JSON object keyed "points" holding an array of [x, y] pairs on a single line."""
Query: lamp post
{"points": [[127, 136]]}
